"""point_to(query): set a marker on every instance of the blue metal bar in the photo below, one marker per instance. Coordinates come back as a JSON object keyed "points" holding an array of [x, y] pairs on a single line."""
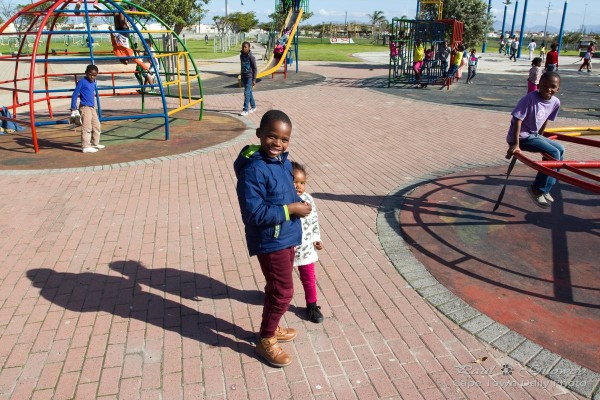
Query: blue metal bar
{"points": [[57, 122], [522, 30], [512, 29], [98, 87], [296, 43], [126, 117], [484, 47], [562, 25], [503, 21]]}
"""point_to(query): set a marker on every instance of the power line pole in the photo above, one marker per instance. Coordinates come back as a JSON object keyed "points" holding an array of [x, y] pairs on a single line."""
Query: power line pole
{"points": [[546, 25]]}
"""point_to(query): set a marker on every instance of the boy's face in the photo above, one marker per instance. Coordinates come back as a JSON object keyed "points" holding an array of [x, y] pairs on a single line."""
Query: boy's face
{"points": [[91, 75], [275, 138], [246, 48], [548, 87], [299, 181]]}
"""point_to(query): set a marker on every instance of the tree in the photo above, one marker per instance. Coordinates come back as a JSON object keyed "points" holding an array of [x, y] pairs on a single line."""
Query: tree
{"points": [[571, 39], [475, 16], [177, 13], [376, 19], [222, 24], [242, 22]]}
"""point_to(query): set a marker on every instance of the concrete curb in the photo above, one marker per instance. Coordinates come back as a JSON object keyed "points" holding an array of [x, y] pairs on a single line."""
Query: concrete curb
{"points": [[539, 360]]}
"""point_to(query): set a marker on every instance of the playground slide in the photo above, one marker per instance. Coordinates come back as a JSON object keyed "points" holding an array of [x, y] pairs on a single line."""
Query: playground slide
{"points": [[275, 62]]}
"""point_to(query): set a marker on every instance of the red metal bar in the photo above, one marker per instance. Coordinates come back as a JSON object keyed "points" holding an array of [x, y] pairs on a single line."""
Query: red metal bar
{"points": [[574, 139], [574, 164], [583, 173], [48, 12], [561, 177]]}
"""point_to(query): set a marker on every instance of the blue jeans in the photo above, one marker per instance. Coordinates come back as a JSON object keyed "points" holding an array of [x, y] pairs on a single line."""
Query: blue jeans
{"points": [[537, 143], [248, 96]]}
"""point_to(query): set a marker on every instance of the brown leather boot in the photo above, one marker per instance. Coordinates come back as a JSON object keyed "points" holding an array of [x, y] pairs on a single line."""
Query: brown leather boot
{"points": [[271, 351], [285, 334]]}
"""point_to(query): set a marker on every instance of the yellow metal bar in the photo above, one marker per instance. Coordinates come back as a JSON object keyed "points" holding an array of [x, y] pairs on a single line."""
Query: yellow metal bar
{"points": [[574, 129], [137, 12], [156, 31], [581, 133], [190, 104]]}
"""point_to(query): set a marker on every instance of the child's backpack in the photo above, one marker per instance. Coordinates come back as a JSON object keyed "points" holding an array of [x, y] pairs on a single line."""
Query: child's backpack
{"points": [[278, 50]]}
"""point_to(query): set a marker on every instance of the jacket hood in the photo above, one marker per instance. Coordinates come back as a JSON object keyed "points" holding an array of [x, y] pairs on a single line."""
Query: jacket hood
{"points": [[253, 152]]}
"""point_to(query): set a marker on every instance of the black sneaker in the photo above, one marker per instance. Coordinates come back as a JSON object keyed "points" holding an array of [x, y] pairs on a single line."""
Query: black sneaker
{"points": [[314, 313]]}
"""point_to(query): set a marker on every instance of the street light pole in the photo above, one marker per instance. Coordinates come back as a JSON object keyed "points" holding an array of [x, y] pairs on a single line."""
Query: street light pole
{"points": [[487, 27], [583, 23]]}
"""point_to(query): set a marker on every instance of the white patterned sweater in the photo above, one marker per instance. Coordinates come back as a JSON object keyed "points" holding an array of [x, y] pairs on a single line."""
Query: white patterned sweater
{"points": [[306, 252]]}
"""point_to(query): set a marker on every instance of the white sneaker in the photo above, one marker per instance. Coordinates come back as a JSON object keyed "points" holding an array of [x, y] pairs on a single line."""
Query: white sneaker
{"points": [[252, 110], [89, 150], [99, 146], [538, 199], [548, 198], [244, 113]]}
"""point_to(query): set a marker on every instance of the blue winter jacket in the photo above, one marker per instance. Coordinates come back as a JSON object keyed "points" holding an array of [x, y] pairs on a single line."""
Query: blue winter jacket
{"points": [[265, 187]]}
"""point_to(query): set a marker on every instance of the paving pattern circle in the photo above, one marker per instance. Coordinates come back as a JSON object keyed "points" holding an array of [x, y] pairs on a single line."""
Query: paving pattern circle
{"points": [[125, 141], [532, 270]]}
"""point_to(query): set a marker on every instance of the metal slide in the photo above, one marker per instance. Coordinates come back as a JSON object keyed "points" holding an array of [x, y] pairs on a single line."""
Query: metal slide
{"points": [[275, 62]]}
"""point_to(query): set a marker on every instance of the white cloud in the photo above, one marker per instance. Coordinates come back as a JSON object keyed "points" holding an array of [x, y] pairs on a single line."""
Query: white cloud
{"points": [[331, 13]]}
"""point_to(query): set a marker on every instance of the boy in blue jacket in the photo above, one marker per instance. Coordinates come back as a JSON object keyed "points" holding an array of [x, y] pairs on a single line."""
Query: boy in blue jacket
{"points": [[271, 211], [85, 91]]}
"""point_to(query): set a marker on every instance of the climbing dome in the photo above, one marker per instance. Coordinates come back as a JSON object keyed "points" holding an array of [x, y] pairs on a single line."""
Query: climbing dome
{"points": [[55, 40]]}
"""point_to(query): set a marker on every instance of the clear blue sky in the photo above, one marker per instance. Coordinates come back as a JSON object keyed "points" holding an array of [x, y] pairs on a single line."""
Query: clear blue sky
{"points": [[335, 10]]}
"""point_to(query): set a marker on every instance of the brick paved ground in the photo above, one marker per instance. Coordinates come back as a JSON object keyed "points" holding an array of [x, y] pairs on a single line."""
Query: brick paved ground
{"points": [[136, 283]]}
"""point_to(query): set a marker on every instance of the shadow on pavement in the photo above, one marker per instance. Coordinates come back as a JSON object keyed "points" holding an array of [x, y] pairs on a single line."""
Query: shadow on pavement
{"points": [[124, 297]]}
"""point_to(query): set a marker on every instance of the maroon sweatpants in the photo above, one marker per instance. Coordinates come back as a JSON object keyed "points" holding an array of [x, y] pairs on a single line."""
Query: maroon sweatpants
{"points": [[277, 268]]}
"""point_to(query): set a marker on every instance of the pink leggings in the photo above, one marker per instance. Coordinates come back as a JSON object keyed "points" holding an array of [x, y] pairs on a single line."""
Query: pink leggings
{"points": [[309, 282]]}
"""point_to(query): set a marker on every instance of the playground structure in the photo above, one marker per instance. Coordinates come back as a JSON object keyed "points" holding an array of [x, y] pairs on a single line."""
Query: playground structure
{"points": [[550, 166], [431, 34], [591, 182], [294, 10], [35, 87]]}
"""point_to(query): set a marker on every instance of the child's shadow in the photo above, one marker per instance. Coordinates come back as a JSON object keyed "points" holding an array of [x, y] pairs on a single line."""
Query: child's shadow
{"points": [[189, 285], [92, 292]]}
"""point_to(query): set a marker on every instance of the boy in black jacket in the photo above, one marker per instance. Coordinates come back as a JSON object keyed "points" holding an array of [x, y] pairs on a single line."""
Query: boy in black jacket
{"points": [[248, 75]]}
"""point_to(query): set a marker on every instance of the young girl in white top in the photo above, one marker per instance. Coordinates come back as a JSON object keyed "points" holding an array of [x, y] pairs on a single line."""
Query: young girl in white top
{"points": [[535, 73], [306, 254]]}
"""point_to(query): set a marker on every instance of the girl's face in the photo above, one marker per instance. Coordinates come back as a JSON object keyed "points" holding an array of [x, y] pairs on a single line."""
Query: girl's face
{"points": [[299, 181]]}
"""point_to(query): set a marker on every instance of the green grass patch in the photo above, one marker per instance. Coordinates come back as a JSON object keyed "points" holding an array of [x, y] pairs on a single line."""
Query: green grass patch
{"points": [[314, 50]]}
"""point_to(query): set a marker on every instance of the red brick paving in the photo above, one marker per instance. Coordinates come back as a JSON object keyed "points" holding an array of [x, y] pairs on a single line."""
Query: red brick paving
{"points": [[180, 217]]}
